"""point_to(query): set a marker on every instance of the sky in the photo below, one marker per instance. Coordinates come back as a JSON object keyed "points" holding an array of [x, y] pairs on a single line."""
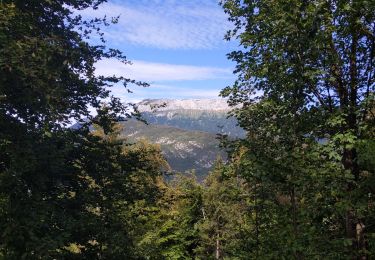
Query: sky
{"points": [[175, 45]]}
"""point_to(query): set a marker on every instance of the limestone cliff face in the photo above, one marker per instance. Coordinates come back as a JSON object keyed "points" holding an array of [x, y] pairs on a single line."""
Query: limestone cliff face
{"points": [[158, 105], [185, 130], [207, 115], [184, 149]]}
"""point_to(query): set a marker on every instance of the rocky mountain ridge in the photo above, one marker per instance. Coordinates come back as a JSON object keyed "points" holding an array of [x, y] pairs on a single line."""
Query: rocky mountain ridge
{"points": [[158, 105], [186, 130], [207, 115], [184, 149]]}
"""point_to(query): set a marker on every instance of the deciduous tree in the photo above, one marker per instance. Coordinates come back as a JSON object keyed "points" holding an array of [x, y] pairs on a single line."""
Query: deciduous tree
{"points": [[306, 85]]}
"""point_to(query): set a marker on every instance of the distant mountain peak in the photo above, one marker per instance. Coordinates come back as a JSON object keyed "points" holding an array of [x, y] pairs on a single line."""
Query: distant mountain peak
{"points": [[155, 105], [186, 130]]}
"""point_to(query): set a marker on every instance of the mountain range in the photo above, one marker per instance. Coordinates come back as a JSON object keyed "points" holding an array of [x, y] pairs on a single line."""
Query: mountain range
{"points": [[186, 130]]}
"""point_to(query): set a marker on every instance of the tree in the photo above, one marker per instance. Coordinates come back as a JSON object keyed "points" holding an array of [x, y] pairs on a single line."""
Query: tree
{"points": [[226, 224], [306, 85], [120, 184], [173, 232], [52, 177]]}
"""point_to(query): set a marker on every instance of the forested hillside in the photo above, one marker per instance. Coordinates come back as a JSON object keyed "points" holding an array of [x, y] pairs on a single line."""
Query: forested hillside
{"points": [[184, 150], [298, 184]]}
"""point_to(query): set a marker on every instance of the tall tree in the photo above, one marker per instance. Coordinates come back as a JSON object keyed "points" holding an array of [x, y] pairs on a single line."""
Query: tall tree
{"points": [[118, 185], [173, 232], [48, 173], [225, 224], [306, 83]]}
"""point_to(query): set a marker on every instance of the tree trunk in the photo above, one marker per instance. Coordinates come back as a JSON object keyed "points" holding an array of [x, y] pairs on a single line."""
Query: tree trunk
{"points": [[217, 248], [298, 254], [354, 227]]}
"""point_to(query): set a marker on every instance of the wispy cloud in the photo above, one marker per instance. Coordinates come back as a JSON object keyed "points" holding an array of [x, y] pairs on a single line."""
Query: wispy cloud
{"points": [[163, 91], [166, 24], [159, 72]]}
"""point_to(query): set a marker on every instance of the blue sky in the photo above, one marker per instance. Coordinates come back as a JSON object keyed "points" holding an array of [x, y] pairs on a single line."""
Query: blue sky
{"points": [[175, 45]]}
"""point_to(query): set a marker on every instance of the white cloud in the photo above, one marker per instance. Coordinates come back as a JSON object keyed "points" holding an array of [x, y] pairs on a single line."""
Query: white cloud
{"points": [[166, 24], [163, 91], [156, 72]]}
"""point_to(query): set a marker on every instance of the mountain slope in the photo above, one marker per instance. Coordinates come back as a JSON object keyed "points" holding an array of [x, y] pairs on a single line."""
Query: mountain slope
{"points": [[183, 149], [208, 115], [185, 129]]}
